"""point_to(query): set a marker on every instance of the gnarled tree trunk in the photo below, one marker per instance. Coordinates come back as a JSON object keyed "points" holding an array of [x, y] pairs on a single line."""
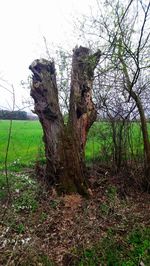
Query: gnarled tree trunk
{"points": [[64, 144]]}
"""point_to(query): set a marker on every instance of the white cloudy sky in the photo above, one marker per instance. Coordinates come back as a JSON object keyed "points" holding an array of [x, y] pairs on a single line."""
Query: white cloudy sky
{"points": [[22, 25]]}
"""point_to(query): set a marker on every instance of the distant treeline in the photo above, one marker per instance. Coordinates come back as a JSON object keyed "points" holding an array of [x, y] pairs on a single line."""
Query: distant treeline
{"points": [[14, 115]]}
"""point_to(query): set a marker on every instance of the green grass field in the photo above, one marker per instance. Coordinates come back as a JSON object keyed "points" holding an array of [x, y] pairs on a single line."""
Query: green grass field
{"points": [[26, 142], [100, 142]]}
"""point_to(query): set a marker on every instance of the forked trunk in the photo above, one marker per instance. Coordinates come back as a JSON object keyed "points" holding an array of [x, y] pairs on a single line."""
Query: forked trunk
{"points": [[64, 144]]}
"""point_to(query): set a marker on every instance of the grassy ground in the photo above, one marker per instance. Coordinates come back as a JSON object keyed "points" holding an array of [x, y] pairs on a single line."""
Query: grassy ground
{"points": [[26, 142], [40, 228]]}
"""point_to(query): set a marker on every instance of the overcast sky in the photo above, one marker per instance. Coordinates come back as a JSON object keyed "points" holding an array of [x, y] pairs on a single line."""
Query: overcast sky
{"points": [[23, 23]]}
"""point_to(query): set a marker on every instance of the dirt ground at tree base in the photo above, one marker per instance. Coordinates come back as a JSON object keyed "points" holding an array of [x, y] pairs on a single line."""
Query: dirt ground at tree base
{"points": [[60, 225]]}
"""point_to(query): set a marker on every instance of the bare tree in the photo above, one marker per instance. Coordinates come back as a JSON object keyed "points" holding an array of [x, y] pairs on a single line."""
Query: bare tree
{"points": [[134, 54], [113, 107], [122, 27]]}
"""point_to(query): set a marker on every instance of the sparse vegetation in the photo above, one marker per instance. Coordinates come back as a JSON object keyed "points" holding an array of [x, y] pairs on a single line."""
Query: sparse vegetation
{"points": [[132, 249], [26, 144], [42, 227]]}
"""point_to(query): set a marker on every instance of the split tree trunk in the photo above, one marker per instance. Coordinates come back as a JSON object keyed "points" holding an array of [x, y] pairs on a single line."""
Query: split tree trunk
{"points": [[64, 144]]}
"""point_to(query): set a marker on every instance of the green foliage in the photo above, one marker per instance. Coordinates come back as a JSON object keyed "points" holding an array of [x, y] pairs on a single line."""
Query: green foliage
{"points": [[26, 201], [43, 216], [89, 258], [20, 228], [112, 250], [24, 191], [54, 203], [3, 187], [111, 193], [3, 193], [139, 241], [45, 261], [104, 208]]}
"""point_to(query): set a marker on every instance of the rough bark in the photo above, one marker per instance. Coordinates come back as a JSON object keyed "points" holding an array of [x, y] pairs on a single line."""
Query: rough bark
{"points": [[64, 144], [82, 112]]}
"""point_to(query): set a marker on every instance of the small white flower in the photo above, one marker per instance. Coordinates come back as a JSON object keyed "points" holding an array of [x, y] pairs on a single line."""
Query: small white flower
{"points": [[25, 240], [7, 229], [4, 243]]}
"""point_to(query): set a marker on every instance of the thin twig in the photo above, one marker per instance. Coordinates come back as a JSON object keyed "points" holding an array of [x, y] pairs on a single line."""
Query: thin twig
{"points": [[8, 145]]}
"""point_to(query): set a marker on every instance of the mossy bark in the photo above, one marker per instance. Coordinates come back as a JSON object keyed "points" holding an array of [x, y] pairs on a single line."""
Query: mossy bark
{"points": [[64, 144]]}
